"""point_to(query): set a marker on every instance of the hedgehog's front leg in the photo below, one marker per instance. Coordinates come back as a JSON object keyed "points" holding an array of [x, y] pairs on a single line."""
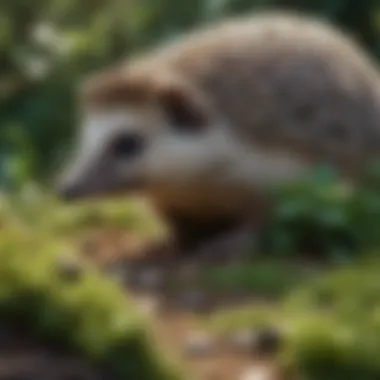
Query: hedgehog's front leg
{"points": [[221, 238], [231, 245]]}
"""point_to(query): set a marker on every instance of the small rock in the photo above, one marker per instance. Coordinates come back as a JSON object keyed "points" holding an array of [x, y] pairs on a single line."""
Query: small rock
{"points": [[200, 344], [269, 342], [90, 247], [232, 245], [258, 373], [244, 340], [151, 278], [189, 272], [118, 272], [266, 342], [148, 305], [69, 269], [196, 301]]}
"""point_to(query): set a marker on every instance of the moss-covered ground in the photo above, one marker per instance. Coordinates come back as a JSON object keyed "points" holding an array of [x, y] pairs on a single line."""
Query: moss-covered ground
{"points": [[74, 282]]}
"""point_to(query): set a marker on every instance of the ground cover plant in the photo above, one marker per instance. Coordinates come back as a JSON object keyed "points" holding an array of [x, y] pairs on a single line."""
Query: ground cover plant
{"points": [[48, 292], [325, 301]]}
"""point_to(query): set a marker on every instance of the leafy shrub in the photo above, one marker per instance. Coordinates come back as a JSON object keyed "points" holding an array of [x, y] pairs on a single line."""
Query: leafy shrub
{"points": [[42, 290], [46, 46], [339, 335], [34, 208], [326, 216], [266, 277], [330, 327]]}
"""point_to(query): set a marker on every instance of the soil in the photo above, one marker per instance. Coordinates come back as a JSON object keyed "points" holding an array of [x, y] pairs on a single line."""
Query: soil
{"points": [[176, 317], [22, 358], [163, 285]]}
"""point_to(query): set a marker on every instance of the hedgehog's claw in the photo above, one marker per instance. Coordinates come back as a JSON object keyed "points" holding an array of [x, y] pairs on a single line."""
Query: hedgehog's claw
{"points": [[230, 246]]}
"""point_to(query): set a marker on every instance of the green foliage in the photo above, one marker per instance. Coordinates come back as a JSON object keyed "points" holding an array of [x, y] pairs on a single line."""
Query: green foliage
{"points": [[325, 216], [84, 313], [46, 289], [349, 292], [30, 205], [262, 277], [330, 327], [339, 334], [47, 46]]}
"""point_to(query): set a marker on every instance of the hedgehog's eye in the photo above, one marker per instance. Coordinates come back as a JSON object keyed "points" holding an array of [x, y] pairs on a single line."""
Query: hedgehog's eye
{"points": [[126, 145]]}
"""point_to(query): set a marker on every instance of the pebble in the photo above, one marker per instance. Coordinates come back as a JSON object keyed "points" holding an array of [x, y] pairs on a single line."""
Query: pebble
{"points": [[269, 342], [117, 273], [69, 269], [244, 340], [149, 305], [199, 344], [261, 342], [195, 300], [189, 272], [257, 372], [90, 247], [151, 278]]}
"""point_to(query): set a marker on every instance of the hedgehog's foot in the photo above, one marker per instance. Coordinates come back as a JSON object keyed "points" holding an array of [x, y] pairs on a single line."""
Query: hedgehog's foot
{"points": [[189, 233], [234, 244], [221, 238]]}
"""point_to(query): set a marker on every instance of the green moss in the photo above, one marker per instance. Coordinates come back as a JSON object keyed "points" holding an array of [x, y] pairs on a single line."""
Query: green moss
{"points": [[331, 327], [324, 346], [263, 277], [129, 215], [32, 207], [86, 314], [325, 216]]}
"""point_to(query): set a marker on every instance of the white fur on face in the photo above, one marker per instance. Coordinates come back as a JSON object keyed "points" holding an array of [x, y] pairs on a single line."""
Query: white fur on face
{"points": [[177, 157], [96, 131], [256, 166], [217, 157], [98, 128], [214, 156]]}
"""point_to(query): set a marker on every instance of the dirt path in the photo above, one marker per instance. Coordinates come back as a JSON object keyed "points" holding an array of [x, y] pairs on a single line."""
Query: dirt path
{"points": [[176, 320], [176, 326], [173, 331]]}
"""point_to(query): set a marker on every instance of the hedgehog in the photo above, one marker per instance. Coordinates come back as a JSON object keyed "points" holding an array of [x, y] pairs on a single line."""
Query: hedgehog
{"points": [[204, 126]]}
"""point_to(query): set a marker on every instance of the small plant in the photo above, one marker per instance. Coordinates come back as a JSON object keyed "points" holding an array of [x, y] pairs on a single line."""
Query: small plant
{"points": [[266, 277], [325, 216], [60, 301], [330, 327]]}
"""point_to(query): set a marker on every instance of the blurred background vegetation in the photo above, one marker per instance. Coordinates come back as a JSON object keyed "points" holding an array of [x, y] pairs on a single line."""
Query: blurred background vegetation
{"points": [[46, 46]]}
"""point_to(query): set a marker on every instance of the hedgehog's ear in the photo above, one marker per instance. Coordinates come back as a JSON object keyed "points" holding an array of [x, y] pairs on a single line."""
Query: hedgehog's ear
{"points": [[114, 88], [184, 109]]}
